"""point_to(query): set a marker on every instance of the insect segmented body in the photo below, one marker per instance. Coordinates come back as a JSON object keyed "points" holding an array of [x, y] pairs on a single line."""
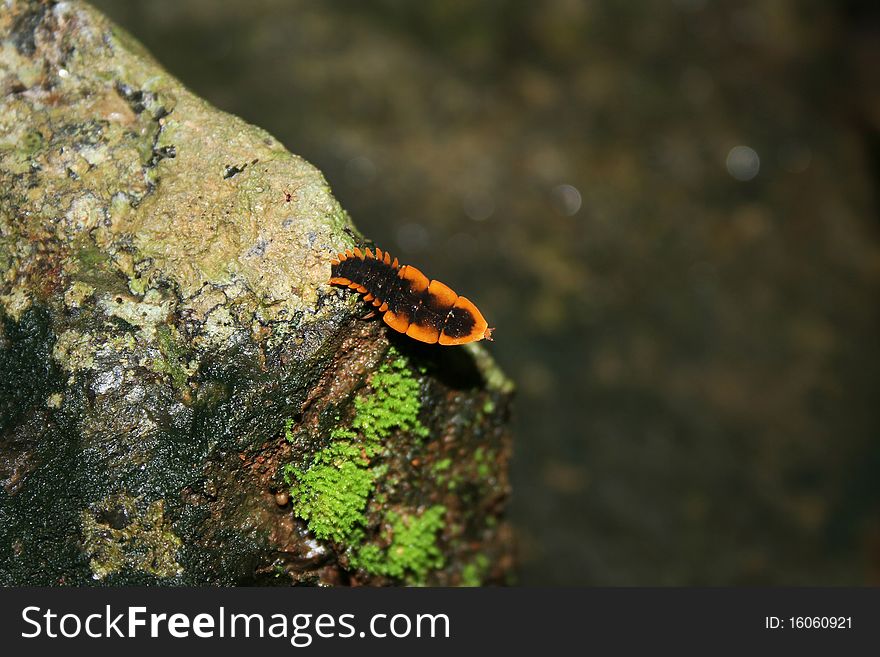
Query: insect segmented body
{"points": [[426, 310]]}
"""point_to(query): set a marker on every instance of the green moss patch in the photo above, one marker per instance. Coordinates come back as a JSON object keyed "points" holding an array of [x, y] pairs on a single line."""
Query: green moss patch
{"points": [[332, 493], [413, 550], [394, 403], [473, 573]]}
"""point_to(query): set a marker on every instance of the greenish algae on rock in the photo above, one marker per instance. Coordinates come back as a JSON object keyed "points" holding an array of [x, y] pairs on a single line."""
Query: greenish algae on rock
{"points": [[183, 398], [117, 534]]}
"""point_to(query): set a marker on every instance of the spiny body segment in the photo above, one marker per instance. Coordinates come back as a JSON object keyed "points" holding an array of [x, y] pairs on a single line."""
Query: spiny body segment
{"points": [[426, 310]]}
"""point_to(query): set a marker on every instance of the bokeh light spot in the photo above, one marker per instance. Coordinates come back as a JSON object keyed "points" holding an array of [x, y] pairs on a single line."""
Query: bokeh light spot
{"points": [[743, 163], [478, 205], [566, 199]]}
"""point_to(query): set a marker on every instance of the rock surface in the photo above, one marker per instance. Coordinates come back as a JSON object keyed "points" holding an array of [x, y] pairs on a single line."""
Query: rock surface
{"points": [[183, 398]]}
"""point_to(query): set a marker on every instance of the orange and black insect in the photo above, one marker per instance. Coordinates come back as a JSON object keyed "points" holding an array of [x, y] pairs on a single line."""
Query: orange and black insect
{"points": [[428, 311]]}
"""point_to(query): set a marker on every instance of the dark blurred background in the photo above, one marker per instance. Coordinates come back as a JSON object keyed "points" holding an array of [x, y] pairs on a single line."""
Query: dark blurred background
{"points": [[668, 209]]}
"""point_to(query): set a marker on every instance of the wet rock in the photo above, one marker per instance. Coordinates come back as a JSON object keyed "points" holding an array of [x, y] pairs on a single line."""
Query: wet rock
{"points": [[183, 399]]}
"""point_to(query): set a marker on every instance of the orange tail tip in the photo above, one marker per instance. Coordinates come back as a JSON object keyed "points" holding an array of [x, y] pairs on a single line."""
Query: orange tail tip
{"points": [[487, 335]]}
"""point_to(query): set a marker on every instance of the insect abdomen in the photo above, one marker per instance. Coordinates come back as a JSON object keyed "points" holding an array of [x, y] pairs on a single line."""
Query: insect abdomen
{"points": [[428, 311]]}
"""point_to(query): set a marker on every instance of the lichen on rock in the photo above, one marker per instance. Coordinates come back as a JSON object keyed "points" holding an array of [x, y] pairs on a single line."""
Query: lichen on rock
{"points": [[119, 534], [164, 309]]}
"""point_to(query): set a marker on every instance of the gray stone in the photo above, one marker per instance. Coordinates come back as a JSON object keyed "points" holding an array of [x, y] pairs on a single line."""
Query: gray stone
{"points": [[183, 398]]}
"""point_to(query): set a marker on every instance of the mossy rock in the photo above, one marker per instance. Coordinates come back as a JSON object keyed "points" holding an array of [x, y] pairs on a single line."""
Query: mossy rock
{"points": [[183, 398]]}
